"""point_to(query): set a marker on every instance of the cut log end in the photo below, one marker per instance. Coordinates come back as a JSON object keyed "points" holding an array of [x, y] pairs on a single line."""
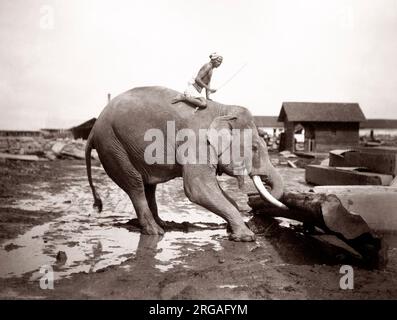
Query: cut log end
{"points": [[328, 213]]}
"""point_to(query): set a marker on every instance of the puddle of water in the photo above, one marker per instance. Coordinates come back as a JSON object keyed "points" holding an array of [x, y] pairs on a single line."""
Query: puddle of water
{"points": [[89, 245], [170, 246], [92, 242], [231, 286]]}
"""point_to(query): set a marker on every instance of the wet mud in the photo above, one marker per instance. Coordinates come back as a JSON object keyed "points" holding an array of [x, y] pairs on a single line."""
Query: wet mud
{"points": [[47, 219]]}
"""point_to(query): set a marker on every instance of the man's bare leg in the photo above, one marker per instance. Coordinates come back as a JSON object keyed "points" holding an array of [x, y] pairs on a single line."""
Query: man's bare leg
{"points": [[197, 102], [178, 98]]}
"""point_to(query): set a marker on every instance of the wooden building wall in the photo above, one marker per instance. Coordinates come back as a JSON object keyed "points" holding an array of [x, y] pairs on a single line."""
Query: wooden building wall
{"points": [[331, 135], [288, 137]]}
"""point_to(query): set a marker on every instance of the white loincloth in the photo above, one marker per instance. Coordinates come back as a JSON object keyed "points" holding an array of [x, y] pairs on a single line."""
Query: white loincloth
{"points": [[192, 92]]}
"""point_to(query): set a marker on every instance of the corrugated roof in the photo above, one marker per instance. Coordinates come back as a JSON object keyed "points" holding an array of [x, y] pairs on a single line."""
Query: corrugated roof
{"points": [[379, 124], [268, 122], [321, 112], [87, 124]]}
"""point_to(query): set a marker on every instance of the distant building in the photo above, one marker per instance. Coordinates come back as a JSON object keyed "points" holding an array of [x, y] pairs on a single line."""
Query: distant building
{"points": [[51, 133], [268, 124], [20, 133], [380, 127], [83, 130], [326, 126], [20, 141]]}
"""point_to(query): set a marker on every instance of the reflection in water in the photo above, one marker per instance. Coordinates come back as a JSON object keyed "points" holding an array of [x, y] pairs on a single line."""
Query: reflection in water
{"points": [[91, 240], [169, 249]]}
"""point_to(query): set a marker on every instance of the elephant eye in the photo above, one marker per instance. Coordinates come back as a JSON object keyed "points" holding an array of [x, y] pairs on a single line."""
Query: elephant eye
{"points": [[255, 147]]}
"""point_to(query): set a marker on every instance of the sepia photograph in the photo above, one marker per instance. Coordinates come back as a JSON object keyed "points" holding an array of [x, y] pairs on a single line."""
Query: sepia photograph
{"points": [[222, 150]]}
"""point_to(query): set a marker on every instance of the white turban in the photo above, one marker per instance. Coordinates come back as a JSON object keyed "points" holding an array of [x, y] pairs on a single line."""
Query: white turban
{"points": [[216, 57]]}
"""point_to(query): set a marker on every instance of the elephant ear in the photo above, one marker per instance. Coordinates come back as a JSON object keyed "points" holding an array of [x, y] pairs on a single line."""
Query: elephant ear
{"points": [[219, 133]]}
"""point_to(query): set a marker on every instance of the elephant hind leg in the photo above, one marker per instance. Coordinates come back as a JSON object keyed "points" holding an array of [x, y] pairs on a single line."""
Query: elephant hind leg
{"points": [[118, 166], [150, 192]]}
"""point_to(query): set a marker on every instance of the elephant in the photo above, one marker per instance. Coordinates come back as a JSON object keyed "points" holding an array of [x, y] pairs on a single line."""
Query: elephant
{"points": [[118, 135]]}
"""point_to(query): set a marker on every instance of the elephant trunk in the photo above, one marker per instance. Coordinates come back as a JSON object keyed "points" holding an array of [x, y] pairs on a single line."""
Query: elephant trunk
{"points": [[276, 182]]}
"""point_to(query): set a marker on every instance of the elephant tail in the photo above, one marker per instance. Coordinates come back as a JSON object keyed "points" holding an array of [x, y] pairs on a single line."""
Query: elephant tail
{"points": [[89, 146]]}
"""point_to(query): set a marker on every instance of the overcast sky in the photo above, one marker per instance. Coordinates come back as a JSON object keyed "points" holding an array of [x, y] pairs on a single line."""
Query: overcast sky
{"points": [[58, 74]]}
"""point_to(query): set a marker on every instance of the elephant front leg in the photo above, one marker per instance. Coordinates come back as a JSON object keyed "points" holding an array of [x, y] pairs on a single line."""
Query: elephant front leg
{"points": [[201, 187]]}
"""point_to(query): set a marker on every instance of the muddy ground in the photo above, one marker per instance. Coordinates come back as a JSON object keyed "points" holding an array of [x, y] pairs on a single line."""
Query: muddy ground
{"points": [[46, 208]]}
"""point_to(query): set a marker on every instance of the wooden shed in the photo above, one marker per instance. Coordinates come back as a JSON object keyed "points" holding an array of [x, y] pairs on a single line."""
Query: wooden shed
{"points": [[327, 126], [268, 124], [83, 130]]}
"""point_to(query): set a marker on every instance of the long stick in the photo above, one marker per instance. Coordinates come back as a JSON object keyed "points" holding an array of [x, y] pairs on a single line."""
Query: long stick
{"points": [[235, 74], [227, 81]]}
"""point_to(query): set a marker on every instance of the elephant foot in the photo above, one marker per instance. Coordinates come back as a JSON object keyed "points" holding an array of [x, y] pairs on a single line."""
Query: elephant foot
{"points": [[161, 222], [242, 235], [152, 229]]}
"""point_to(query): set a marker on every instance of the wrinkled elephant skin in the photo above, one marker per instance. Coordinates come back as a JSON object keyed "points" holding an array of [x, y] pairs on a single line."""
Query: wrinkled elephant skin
{"points": [[119, 138]]}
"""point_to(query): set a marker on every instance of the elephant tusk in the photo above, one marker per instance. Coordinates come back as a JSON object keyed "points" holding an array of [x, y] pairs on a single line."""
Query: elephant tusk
{"points": [[265, 194]]}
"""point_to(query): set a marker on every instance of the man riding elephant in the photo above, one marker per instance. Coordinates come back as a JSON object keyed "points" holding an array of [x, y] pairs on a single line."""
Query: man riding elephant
{"points": [[123, 137], [193, 92]]}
